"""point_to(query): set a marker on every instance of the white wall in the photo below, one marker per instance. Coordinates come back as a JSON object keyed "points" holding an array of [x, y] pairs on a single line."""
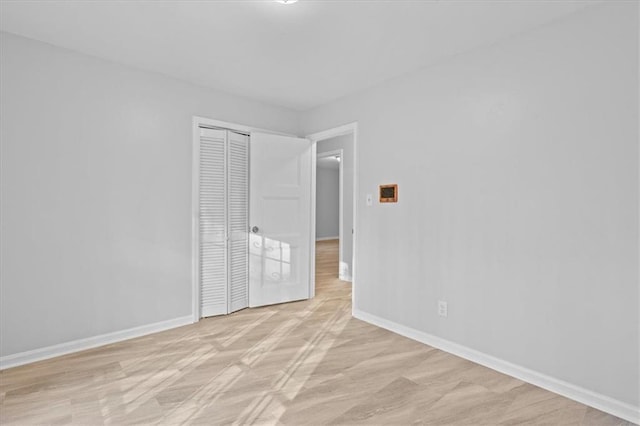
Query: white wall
{"points": [[327, 202], [517, 167], [345, 143], [96, 192]]}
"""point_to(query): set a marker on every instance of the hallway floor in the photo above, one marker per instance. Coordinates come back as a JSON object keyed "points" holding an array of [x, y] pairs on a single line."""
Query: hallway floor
{"points": [[306, 362]]}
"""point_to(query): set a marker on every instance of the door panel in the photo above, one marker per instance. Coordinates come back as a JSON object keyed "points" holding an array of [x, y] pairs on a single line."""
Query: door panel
{"points": [[212, 219], [280, 208], [238, 213]]}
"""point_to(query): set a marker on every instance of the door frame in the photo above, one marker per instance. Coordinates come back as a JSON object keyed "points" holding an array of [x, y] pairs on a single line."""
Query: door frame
{"points": [[350, 128], [333, 153], [197, 122]]}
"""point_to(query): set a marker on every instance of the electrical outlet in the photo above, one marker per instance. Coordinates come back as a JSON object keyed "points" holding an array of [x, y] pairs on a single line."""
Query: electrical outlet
{"points": [[442, 308]]}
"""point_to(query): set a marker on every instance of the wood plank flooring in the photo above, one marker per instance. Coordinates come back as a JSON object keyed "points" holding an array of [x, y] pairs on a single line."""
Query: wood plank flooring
{"points": [[299, 363]]}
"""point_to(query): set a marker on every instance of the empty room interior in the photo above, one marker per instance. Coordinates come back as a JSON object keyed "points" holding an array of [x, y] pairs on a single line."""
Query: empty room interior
{"points": [[320, 212]]}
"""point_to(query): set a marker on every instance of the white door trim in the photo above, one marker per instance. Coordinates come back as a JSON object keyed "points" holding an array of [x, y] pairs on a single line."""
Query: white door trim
{"points": [[197, 122], [339, 152], [351, 128]]}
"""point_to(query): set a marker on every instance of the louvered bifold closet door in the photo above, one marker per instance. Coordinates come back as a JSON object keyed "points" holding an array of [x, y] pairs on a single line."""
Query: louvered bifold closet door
{"points": [[212, 223], [238, 218]]}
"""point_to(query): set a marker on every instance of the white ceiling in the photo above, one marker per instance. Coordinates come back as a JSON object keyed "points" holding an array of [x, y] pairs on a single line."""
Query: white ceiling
{"points": [[297, 56]]}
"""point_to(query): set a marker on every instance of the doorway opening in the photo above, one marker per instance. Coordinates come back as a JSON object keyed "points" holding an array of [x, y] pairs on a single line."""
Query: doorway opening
{"points": [[334, 189], [330, 206]]}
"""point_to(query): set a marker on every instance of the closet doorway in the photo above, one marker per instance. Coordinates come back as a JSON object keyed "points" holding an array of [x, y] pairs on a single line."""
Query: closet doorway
{"points": [[223, 221], [251, 215]]}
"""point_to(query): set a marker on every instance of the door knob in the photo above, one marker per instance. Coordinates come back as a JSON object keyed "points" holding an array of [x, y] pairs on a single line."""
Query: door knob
{"points": [[255, 229]]}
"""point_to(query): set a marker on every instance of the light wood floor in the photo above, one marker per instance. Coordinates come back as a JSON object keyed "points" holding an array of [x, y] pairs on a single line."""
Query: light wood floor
{"points": [[300, 363]]}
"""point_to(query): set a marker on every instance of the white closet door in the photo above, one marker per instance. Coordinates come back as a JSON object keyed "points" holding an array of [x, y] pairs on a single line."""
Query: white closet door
{"points": [[280, 209], [238, 219], [212, 223]]}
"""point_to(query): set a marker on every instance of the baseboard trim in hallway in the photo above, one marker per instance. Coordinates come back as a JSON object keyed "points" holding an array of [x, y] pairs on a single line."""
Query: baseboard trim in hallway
{"points": [[66, 348], [327, 238], [560, 387]]}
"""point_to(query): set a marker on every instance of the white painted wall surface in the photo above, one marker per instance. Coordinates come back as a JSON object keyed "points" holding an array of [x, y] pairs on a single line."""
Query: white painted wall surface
{"points": [[517, 167], [345, 143], [96, 192], [327, 202]]}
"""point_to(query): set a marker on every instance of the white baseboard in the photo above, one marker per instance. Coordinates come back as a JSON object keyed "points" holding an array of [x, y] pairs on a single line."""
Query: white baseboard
{"points": [[90, 342], [327, 238], [566, 389]]}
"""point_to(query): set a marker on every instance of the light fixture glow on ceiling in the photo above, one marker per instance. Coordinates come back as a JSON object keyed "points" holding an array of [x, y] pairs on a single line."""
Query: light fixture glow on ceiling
{"points": [[286, 1]]}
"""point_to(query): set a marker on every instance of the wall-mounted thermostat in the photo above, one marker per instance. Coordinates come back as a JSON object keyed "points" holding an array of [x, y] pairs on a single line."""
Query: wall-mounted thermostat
{"points": [[389, 193]]}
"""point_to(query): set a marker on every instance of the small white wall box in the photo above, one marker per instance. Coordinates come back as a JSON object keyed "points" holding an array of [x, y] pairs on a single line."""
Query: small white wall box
{"points": [[389, 193]]}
